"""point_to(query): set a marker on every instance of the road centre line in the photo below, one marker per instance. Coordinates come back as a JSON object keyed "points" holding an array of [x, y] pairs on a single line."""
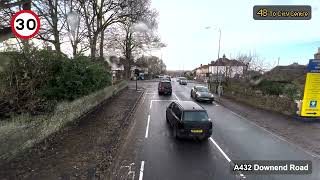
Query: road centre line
{"points": [[141, 170], [151, 104], [147, 128], [277, 136]]}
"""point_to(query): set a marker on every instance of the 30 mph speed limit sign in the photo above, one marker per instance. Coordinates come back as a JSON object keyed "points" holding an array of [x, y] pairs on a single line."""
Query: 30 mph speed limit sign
{"points": [[25, 24]]}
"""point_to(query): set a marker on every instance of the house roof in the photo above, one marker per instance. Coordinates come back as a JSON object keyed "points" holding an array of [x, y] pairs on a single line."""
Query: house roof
{"points": [[286, 73], [226, 62]]}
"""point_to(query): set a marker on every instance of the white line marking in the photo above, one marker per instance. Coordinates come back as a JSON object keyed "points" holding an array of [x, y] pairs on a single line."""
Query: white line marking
{"points": [[151, 104], [176, 96], [242, 176], [275, 135], [162, 100], [141, 170], [144, 98], [222, 152], [147, 129]]}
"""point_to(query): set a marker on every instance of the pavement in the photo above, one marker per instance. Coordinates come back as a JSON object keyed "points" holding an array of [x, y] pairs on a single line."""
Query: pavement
{"points": [[85, 150], [150, 152]]}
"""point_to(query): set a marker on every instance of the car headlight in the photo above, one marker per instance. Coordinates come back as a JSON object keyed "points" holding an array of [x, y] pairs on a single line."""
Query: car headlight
{"points": [[211, 95], [198, 94]]}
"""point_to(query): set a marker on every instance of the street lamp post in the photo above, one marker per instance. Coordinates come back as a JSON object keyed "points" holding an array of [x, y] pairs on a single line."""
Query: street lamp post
{"points": [[219, 46], [219, 43]]}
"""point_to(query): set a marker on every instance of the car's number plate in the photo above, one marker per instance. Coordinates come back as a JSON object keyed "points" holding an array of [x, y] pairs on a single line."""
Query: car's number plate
{"points": [[196, 131]]}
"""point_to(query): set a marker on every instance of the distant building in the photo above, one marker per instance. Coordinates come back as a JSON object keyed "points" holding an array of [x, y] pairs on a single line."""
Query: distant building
{"points": [[201, 72], [286, 74], [227, 68]]}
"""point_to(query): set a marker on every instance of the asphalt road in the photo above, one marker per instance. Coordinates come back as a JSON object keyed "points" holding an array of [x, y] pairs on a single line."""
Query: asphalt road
{"points": [[158, 156]]}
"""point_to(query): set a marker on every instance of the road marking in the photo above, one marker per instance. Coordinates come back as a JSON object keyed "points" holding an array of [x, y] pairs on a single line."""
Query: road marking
{"points": [[151, 93], [176, 96], [141, 170], [277, 136], [144, 97], [147, 129], [222, 152], [242, 176], [215, 104], [151, 104], [161, 100]]}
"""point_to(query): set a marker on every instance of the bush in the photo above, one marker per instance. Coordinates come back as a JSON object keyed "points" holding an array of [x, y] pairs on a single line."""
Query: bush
{"points": [[34, 82], [271, 87], [76, 78]]}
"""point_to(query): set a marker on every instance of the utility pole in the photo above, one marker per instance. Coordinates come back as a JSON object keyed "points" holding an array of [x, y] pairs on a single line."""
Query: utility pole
{"points": [[219, 43]]}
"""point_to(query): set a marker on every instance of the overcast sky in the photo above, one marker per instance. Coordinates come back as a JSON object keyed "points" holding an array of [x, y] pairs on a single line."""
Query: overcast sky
{"points": [[182, 27]]}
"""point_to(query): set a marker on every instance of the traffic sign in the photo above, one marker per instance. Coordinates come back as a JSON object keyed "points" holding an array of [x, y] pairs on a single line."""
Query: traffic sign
{"points": [[314, 66], [25, 24], [311, 97]]}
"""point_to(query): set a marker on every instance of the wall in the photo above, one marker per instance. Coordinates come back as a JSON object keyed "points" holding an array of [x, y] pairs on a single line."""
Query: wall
{"points": [[245, 95], [22, 132]]}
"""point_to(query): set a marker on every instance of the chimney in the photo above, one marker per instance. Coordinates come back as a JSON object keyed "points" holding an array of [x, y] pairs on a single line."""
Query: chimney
{"points": [[317, 55]]}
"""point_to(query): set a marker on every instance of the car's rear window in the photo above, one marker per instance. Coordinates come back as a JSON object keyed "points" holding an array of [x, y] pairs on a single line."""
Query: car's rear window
{"points": [[195, 116], [166, 84]]}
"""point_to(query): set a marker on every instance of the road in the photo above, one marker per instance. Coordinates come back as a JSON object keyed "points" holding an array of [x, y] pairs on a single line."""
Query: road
{"points": [[158, 156]]}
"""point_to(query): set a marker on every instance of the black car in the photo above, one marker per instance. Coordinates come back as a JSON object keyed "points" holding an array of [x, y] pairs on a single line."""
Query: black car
{"points": [[164, 87], [201, 93], [188, 119]]}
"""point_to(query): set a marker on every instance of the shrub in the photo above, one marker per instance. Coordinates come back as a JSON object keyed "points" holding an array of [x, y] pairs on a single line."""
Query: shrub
{"points": [[76, 78], [34, 82], [271, 87]]}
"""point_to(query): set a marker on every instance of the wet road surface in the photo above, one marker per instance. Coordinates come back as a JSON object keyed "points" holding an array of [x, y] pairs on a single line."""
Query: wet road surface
{"points": [[158, 155]]}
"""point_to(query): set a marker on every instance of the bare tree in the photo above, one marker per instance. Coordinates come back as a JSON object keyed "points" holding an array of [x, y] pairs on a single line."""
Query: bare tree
{"points": [[252, 61], [100, 14], [132, 37], [52, 21]]}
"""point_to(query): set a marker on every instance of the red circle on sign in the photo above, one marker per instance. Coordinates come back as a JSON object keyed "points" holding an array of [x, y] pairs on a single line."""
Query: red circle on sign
{"points": [[14, 18]]}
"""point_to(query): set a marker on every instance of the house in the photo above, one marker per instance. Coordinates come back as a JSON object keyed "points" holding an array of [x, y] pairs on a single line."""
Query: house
{"points": [[227, 68], [202, 72], [286, 74]]}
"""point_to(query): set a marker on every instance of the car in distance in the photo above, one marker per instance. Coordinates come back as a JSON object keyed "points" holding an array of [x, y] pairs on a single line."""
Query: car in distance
{"points": [[189, 120], [164, 87], [183, 82], [201, 93], [182, 79]]}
